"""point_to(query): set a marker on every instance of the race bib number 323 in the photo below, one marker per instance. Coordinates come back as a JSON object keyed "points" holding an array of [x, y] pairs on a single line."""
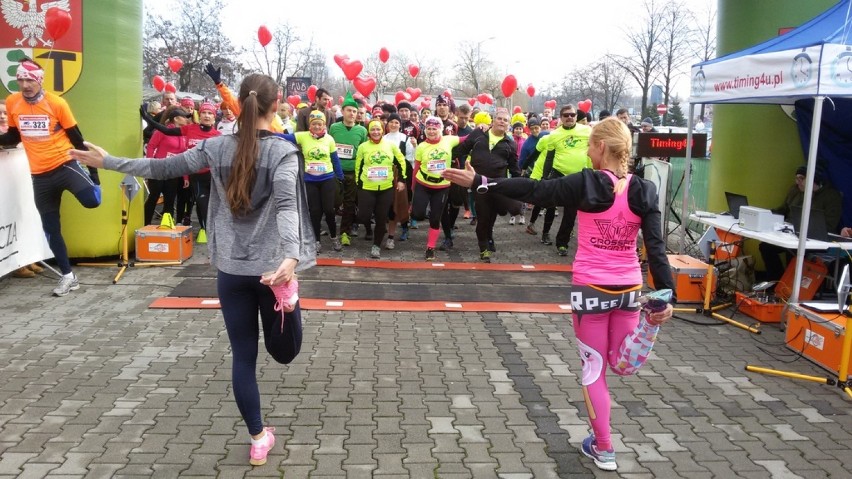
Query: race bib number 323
{"points": [[34, 126]]}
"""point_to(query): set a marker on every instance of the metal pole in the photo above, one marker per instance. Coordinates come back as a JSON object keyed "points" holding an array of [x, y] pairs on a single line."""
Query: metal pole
{"points": [[687, 173]]}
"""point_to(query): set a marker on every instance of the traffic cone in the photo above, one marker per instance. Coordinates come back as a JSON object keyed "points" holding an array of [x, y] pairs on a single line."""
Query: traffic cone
{"points": [[202, 237], [168, 222]]}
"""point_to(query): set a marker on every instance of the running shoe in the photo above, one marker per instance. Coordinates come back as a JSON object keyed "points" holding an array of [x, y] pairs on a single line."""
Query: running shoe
{"points": [[323, 233], [467, 214], [605, 460], [413, 224], [258, 453], [286, 297], [485, 256], [319, 247], [430, 254], [389, 244], [562, 250], [473, 221], [531, 229], [446, 245], [344, 239], [336, 244], [512, 221], [404, 235], [66, 285], [521, 220], [376, 252], [545, 238]]}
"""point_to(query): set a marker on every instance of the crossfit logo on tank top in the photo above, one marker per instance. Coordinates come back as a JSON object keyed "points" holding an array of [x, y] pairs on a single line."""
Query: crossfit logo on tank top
{"points": [[617, 234]]}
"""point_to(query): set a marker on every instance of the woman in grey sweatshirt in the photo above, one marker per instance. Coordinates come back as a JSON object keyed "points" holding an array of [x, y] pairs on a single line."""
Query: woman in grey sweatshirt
{"points": [[259, 235]]}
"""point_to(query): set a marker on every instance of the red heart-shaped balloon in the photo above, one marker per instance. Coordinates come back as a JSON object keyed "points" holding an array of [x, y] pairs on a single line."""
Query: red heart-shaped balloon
{"points": [[170, 88], [57, 22], [424, 104], [351, 69], [448, 93], [509, 85], [530, 90], [365, 86], [585, 105], [264, 36], [339, 59], [384, 55], [413, 93], [471, 101], [400, 96], [413, 70], [158, 83], [550, 104], [517, 109], [312, 93], [294, 100], [489, 99], [482, 98], [175, 64]]}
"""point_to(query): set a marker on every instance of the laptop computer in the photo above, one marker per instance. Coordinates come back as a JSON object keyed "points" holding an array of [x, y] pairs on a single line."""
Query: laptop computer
{"points": [[735, 201], [816, 223]]}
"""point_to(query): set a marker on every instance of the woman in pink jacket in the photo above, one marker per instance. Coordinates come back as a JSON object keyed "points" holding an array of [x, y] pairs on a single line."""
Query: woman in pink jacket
{"points": [[163, 146]]}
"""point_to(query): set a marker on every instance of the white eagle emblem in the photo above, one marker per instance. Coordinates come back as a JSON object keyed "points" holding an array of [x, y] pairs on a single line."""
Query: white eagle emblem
{"points": [[30, 19]]}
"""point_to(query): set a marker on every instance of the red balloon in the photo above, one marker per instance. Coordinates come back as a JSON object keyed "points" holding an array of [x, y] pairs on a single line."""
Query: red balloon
{"points": [[585, 105], [384, 55], [517, 109], [413, 93], [482, 98], [264, 36], [312, 93], [294, 100], [400, 96], [365, 86], [530, 90], [489, 99], [175, 64], [170, 88], [358, 96], [509, 85], [351, 69], [158, 83], [339, 59], [413, 70], [57, 22], [424, 104], [471, 101], [340, 100], [448, 93], [550, 104]]}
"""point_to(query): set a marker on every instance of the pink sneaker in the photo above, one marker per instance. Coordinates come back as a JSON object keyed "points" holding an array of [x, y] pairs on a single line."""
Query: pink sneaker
{"points": [[286, 296], [257, 455]]}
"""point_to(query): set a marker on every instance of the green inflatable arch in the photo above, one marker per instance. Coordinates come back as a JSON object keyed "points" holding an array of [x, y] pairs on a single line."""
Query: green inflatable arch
{"points": [[97, 68]]}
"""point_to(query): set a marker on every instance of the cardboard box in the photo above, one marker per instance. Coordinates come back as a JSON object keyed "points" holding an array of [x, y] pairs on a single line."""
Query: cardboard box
{"points": [[763, 311], [688, 274], [156, 244], [818, 337]]}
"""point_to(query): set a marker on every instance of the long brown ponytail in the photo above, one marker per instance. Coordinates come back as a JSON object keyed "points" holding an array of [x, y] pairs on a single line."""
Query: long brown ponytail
{"points": [[257, 96]]}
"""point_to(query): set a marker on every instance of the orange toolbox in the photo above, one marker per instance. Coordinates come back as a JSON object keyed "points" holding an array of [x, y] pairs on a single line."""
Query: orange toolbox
{"points": [[813, 274], [163, 244], [761, 310], [817, 336], [689, 275]]}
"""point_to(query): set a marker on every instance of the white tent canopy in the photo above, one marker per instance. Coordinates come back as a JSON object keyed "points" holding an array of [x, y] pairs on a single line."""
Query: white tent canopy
{"points": [[811, 61]]}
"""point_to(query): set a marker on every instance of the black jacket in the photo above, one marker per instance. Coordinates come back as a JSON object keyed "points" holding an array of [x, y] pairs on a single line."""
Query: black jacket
{"points": [[491, 162]]}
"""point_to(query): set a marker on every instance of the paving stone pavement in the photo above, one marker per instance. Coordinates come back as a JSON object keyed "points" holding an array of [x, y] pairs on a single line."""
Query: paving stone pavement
{"points": [[97, 385]]}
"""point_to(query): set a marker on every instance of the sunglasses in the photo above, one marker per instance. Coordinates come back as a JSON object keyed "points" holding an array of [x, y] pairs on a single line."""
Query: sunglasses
{"points": [[569, 115]]}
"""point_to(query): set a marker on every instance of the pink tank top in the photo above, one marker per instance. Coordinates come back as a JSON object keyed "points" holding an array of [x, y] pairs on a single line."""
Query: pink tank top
{"points": [[606, 244]]}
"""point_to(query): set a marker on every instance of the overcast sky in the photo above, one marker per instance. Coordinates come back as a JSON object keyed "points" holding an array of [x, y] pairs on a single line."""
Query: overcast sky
{"points": [[538, 42]]}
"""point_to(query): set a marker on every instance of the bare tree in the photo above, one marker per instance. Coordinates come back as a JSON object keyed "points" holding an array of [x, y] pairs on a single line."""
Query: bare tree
{"points": [[475, 72], [704, 38], [195, 36], [285, 54], [643, 61], [675, 49], [611, 82]]}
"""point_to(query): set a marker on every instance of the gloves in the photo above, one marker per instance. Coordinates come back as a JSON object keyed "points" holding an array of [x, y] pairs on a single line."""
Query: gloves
{"points": [[214, 73], [93, 173]]}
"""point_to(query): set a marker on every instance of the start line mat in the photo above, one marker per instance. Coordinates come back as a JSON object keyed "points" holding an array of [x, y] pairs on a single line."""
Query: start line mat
{"points": [[404, 286]]}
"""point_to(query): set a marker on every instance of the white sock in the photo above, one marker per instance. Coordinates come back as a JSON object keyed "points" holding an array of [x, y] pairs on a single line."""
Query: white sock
{"points": [[69, 275], [258, 442]]}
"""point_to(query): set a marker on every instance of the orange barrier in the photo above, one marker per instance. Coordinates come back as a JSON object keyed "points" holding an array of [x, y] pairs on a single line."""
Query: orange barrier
{"points": [[367, 263]]}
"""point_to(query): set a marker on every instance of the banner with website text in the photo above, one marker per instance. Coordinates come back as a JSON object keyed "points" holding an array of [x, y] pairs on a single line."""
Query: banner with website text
{"points": [[22, 240]]}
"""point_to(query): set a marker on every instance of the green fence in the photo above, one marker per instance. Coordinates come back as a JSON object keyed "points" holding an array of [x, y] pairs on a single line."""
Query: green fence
{"points": [[697, 190]]}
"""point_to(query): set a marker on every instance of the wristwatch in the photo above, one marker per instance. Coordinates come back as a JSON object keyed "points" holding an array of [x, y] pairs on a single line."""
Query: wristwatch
{"points": [[483, 188]]}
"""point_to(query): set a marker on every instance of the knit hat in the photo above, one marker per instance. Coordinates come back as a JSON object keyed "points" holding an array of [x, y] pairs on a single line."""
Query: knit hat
{"points": [[30, 70], [517, 124], [394, 116], [207, 106], [648, 122], [581, 115], [404, 104], [445, 99], [187, 102], [349, 101], [482, 118], [176, 112], [316, 115]]}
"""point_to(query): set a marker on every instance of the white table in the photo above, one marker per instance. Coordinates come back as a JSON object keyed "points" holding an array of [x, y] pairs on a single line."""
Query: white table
{"points": [[778, 238]]}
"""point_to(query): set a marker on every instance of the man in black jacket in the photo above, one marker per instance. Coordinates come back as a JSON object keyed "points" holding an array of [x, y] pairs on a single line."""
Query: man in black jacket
{"points": [[494, 154]]}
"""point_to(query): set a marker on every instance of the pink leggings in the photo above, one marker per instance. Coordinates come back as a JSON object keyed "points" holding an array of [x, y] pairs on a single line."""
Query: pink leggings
{"points": [[619, 336]]}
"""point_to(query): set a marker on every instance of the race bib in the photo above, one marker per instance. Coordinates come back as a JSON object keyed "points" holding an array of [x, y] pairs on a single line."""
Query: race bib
{"points": [[316, 168], [377, 173], [34, 126], [436, 166], [345, 152]]}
